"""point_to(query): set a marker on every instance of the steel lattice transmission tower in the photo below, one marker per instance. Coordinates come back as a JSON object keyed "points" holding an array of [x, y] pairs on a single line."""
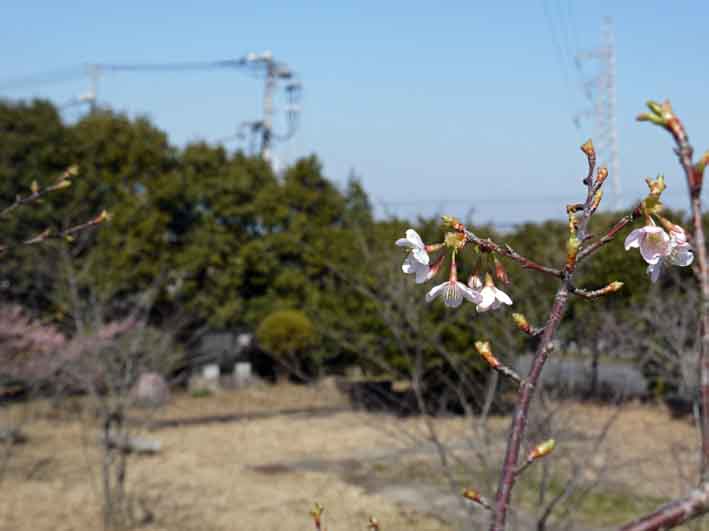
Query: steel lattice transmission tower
{"points": [[601, 93]]}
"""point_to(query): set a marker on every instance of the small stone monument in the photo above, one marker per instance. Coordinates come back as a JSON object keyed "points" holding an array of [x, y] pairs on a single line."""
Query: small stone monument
{"points": [[208, 380], [242, 374], [210, 372]]}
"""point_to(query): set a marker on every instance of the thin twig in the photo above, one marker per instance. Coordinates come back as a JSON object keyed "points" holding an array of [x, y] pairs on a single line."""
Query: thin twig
{"points": [[48, 234], [37, 193], [594, 294], [487, 244], [608, 237]]}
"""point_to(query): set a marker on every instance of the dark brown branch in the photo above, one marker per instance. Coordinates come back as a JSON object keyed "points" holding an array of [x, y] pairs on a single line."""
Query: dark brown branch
{"points": [[694, 185], [519, 422], [508, 475], [674, 513], [664, 116], [488, 245]]}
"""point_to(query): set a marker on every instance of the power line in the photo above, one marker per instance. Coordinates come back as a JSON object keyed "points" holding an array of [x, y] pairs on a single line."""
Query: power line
{"points": [[557, 47], [275, 74], [262, 65], [53, 77], [179, 66]]}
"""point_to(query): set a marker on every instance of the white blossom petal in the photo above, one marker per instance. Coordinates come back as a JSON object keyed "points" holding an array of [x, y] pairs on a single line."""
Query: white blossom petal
{"points": [[409, 266], [502, 297], [634, 238], [470, 294], [413, 237], [418, 249], [487, 296], [435, 291], [421, 255], [683, 257], [422, 273]]}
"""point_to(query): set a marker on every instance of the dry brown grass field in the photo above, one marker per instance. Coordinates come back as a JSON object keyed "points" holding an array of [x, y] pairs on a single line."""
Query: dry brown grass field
{"points": [[245, 475]]}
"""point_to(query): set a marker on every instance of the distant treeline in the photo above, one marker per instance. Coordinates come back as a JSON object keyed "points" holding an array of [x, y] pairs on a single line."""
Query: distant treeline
{"points": [[221, 243]]}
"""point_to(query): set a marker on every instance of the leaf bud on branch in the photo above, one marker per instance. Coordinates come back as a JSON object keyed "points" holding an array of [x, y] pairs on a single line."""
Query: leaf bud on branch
{"points": [[64, 183], [71, 171], [453, 223], [573, 245], [500, 272], [610, 288], [522, 323], [542, 450], [538, 452], [483, 348], [573, 208], [702, 164], [474, 496], [590, 153], [601, 177], [662, 114]]}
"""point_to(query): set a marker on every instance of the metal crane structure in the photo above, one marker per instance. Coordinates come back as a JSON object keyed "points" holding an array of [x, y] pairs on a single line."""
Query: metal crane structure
{"points": [[600, 91], [260, 132]]}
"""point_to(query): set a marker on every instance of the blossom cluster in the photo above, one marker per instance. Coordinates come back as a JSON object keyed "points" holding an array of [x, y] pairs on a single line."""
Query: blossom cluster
{"points": [[483, 293], [659, 247]]}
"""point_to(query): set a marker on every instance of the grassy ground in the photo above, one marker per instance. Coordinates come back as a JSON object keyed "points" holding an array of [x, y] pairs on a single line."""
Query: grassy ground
{"points": [[246, 475]]}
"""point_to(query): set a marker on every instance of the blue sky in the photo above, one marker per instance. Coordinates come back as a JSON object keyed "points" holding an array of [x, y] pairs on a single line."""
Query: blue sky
{"points": [[452, 109]]}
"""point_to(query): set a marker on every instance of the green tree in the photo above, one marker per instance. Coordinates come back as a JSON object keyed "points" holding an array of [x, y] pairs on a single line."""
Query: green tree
{"points": [[287, 336]]}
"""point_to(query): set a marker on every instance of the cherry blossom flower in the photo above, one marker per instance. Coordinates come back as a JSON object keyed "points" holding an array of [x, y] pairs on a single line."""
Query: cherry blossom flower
{"points": [[492, 297], [679, 253], [653, 242], [452, 291], [418, 249], [423, 272]]}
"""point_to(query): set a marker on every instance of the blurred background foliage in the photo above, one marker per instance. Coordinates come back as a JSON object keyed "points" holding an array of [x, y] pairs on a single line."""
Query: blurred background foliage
{"points": [[225, 244]]}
